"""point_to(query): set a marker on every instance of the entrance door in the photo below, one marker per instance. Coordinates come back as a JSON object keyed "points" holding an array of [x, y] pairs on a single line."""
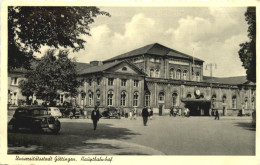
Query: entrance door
{"points": [[160, 109]]}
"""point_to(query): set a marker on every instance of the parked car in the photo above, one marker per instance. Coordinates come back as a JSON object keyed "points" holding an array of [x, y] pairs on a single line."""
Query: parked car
{"points": [[110, 112], [35, 118], [75, 112], [54, 111]]}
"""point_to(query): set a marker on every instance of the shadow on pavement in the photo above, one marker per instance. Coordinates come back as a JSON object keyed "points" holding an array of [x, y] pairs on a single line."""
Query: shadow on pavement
{"points": [[247, 126], [70, 137]]}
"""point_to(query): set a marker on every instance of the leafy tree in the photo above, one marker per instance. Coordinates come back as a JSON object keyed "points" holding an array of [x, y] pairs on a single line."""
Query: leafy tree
{"points": [[247, 52], [31, 27], [50, 75]]}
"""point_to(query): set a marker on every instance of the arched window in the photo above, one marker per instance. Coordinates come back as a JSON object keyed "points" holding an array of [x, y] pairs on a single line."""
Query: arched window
{"points": [[123, 99], [98, 94], [197, 76], [201, 95], [147, 99], [178, 74], [110, 95], [157, 73], [171, 73], [234, 101], [174, 99], [161, 97], [224, 98], [188, 95], [136, 97], [151, 73], [90, 98], [214, 97], [124, 69], [184, 75]]}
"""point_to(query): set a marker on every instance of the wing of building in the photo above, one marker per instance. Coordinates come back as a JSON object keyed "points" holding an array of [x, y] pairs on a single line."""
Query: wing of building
{"points": [[159, 77]]}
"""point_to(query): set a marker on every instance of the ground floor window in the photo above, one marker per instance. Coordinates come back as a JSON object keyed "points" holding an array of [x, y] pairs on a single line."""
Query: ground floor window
{"points": [[123, 99], [147, 99], [174, 99], [110, 98], [234, 102], [90, 98], [253, 103], [136, 95]]}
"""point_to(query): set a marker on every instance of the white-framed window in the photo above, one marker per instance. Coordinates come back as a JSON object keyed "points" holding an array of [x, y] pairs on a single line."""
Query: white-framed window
{"points": [[136, 83], [110, 95], [110, 81], [14, 81], [151, 73], [178, 74], [224, 98], [123, 82], [234, 102], [157, 73], [136, 97], [175, 99], [161, 96], [184, 75], [147, 98], [171, 73], [90, 98], [123, 99]]}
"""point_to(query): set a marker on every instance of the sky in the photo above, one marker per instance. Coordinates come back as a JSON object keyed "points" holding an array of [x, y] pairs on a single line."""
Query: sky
{"points": [[214, 33]]}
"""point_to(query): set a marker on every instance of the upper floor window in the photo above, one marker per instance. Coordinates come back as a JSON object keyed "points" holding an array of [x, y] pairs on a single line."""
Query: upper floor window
{"points": [[98, 81], [157, 59], [136, 82], [253, 103], [90, 82], [123, 98], [171, 73], [147, 99], [98, 94], [123, 82], [178, 74], [157, 73], [224, 98], [110, 81], [14, 81], [151, 73], [152, 59], [184, 75]]}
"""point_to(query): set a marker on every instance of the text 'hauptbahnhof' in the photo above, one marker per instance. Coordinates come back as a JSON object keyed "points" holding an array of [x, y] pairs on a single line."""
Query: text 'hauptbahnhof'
{"points": [[155, 76]]}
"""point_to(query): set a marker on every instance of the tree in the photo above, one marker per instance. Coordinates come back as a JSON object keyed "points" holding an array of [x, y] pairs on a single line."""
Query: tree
{"points": [[31, 27], [247, 52], [50, 75]]}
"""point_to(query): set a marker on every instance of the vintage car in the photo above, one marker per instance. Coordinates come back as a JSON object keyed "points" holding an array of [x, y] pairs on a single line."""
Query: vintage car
{"points": [[54, 111], [75, 112], [35, 118], [111, 112]]}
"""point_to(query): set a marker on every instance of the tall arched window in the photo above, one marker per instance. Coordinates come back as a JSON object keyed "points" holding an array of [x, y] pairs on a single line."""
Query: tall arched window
{"points": [[178, 74], [171, 73], [234, 101], [151, 73], [224, 98], [123, 99], [110, 95], [161, 97], [174, 99], [136, 97], [90, 97], [147, 99], [184, 75], [157, 73], [197, 76], [98, 94]]}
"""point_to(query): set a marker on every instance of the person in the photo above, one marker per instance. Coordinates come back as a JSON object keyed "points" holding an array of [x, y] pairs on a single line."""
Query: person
{"points": [[134, 111], [151, 113], [188, 112], [119, 112], [174, 112], [131, 114], [145, 115], [216, 115], [171, 111], [95, 115]]}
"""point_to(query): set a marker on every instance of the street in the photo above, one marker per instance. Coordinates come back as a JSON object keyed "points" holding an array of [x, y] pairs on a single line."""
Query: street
{"points": [[164, 135]]}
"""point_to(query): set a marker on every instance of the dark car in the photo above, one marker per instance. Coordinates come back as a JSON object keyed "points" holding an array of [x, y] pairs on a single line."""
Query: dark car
{"points": [[110, 112], [75, 112], [35, 118]]}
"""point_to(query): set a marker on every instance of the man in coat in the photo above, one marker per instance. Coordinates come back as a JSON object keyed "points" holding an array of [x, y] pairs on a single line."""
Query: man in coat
{"points": [[216, 115], [95, 115], [145, 115]]}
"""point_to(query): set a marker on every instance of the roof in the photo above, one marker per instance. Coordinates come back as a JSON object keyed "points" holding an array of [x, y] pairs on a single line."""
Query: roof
{"points": [[95, 69], [229, 80], [154, 49]]}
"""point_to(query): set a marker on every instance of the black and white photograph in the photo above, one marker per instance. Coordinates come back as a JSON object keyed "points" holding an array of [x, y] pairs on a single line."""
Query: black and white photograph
{"points": [[130, 81]]}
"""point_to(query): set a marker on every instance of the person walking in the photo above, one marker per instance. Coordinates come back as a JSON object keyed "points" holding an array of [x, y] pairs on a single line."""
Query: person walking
{"points": [[151, 113], [95, 115], [216, 115], [145, 115], [171, 111]]}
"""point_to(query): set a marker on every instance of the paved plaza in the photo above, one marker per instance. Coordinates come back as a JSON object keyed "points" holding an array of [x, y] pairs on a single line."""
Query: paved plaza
{"points": [[164, 135]]}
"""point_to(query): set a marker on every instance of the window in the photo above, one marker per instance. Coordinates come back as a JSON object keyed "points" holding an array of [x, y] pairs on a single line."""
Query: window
{"points": [[197, 76], [151, 73], [178, 74], [171, 73], [147, 98], [224, 98], [201, 96], [98, 94], [188, 95], [184, 75], [123, 99], [136, 95], [124, 69], [253, 103], [152, 59], [14, 81], [157, 59], [174, 99], [157, 73], [89, 82], [90, 98], [161, 96], [61, 98], [136, 82], [123, 82], [110, 98], [98, 81], [234, 102], [110, 81], [246, 102]]}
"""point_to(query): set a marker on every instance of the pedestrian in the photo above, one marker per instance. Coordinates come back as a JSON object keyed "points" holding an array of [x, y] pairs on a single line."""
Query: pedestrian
{"points": [[216, 115], [131, 114], [134, 113], [119, 112], [171, 111], [188, 112], [151, 113], [95, 115], [145, 115], [174, 112]]}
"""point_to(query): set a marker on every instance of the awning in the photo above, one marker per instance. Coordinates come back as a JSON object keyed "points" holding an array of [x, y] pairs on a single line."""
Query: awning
{"points": [[195, 100]]}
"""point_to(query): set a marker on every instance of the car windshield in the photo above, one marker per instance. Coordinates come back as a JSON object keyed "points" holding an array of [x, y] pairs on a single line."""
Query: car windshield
{"points": [[40, 112]]}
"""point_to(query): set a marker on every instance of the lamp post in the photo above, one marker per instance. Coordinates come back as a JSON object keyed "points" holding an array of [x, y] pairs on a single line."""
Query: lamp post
{"points": [[211, 65]]}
